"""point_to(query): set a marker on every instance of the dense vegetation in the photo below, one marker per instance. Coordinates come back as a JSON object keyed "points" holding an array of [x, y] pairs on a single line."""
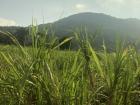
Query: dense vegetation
{"points": [[40, 75], [105, 27]]}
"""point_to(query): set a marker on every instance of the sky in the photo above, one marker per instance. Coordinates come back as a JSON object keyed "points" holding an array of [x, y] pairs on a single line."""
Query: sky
{"points": [[21, 12]]}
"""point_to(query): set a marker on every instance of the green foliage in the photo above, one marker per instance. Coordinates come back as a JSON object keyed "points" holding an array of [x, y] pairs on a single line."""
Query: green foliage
{"points": [[39, 76], [66, 45], [110, 28]]}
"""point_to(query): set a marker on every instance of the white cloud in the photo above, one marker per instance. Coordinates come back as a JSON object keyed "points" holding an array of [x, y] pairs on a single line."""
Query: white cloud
{"points": [[80, 6], [7, 22]]}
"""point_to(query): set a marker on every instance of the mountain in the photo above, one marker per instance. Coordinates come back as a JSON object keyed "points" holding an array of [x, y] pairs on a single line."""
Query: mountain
{"points": [[106, 27], [98, 21]]}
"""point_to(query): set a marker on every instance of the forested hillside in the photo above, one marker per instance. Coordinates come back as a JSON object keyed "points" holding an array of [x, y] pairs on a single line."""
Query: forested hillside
{"points": [[106, 28]]}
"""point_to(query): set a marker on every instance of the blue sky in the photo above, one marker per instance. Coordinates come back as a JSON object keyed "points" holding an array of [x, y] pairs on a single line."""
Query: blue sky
{"points": [[20, 12]]}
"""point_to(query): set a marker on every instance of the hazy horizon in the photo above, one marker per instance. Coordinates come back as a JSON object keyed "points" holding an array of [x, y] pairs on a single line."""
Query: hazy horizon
{"points": [[20, 12]]}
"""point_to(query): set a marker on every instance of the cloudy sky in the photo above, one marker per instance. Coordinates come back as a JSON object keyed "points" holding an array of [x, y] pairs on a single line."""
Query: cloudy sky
{"points": [[20, 12]]}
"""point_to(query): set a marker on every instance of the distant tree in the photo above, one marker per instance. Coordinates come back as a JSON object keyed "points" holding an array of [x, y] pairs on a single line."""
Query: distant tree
{"points": [[22, 35], [66, 45], [4, 39], [19, 32]]}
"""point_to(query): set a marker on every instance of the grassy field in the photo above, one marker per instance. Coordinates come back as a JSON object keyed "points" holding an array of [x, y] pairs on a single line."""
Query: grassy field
{"points": [[40, 76]]}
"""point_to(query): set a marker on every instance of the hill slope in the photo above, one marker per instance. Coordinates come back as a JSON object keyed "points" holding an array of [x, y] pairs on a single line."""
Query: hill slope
{"points": [[95, 21], [109, 27]]}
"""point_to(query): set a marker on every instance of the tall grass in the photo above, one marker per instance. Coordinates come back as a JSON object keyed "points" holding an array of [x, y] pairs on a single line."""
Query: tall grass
{"points": [[40, 76]]}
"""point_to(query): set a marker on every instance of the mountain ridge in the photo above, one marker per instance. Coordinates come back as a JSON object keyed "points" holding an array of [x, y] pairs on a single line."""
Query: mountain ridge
{"points": [[110, 27]]}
